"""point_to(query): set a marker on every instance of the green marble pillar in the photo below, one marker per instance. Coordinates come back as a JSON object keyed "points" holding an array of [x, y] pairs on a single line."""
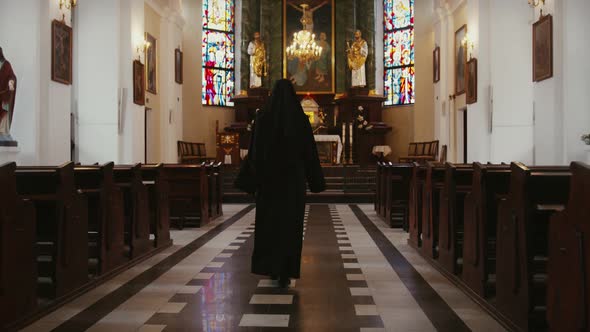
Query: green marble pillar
{"points": [[272, 33], [344, 32], [365, 20], [250, 24]]}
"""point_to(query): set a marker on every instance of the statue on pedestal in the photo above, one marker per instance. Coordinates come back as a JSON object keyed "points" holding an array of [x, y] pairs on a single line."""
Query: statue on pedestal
{"points": [[357, 56], [7, 96], [258, 66]]}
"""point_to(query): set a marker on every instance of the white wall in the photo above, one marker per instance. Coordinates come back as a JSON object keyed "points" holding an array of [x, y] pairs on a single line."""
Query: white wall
{"points": [[509, 64], [536, 123], [41, 123], [22, 19], [548, 96], [576, 78]]}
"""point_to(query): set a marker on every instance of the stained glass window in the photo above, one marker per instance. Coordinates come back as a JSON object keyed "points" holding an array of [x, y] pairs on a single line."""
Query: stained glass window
{"points": [[398, 49], [218, 46]]}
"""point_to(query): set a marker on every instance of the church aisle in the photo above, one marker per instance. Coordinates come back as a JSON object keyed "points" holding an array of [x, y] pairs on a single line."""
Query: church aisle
{"points": [[357, 275]]}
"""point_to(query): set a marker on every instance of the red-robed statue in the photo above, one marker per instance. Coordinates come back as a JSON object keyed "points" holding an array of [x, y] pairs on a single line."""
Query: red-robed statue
{"points": [[7, 96]]}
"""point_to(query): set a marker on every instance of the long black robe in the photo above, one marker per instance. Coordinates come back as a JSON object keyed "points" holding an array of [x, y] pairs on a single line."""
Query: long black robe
{"points": [[283, 157]]}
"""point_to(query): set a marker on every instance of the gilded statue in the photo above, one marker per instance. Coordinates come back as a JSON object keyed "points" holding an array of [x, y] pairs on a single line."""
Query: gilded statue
{"points": [[258, 66], [357, 56]]}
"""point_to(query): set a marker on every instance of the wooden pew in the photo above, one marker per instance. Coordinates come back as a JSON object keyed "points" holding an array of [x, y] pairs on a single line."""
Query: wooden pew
{"points": [[398, 178], [435, 179], [416, 196], [379, 189], [18, 270], [62, 227], [523, 221], [158, 192], [458, 181], [568, 293], [106, 219], [490, 184], [136, 207], [188, 195], [214, 180], [218, 171]]}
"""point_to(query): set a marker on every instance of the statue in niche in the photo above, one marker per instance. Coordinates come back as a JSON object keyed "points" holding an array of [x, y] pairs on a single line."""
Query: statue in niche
{"points": [[7, 96], [357, 56], [258, 66]]}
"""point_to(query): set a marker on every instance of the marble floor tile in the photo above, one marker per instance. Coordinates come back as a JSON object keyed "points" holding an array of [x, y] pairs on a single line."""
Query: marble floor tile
{"points": [[366, 310], [215, 264], [259, 320], [151, 328], [204, 276], [271, 299], [189, 290], [269, 283], [360, 291], [355, 277], [172, 308]]}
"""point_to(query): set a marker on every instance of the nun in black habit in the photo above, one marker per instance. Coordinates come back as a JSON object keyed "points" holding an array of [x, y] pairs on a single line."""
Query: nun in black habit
{"points": [[282, 159]]}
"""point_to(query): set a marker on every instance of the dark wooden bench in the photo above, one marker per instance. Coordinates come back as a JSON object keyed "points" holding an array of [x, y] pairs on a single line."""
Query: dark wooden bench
{"points": [[490, 184], [136, 207], [416, 196], [421, 152], [522, 242], [192, 153], [397, 194], [435, 180], [215, 182], [568, 293], [18, 271], [106, 220], [458, 181], [158, 192], [62, 228], [188, 194], [378, 204]]}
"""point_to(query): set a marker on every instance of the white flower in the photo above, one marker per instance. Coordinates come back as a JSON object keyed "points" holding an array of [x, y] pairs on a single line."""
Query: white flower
{"points": [[365, 123], [369, 127], [360, 108], [360, 127]]}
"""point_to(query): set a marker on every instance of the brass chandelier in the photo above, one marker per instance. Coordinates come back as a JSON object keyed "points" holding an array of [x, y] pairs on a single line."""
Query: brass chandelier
{"points": [[303, 46]]}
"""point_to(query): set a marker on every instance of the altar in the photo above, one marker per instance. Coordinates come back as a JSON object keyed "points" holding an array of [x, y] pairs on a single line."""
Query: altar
{"points": [[329, 149]]}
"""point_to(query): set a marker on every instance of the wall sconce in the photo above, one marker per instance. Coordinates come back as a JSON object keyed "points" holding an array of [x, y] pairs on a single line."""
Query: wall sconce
{"points": [[469, 45], [536, 3], [142, 48], [68, 4]]}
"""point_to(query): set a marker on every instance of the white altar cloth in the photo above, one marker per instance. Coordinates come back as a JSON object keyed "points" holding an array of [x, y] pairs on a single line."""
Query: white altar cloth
{"points": [[331, 138]]}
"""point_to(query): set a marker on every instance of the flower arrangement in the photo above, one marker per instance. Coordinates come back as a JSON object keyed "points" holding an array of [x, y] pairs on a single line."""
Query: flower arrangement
{"points": [[586, 139], [361, 123]]}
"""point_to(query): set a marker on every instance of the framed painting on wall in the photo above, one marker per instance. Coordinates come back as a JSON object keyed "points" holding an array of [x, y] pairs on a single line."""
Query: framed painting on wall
{"points": [[310, 76], [471, 97], [138, 83], [178, 66], [151, 64], [543, 48], [61, 52], [460, 60], [436, 64]]}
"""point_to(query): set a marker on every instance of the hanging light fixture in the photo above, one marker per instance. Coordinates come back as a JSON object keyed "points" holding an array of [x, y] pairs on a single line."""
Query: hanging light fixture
{"points": [[536, 3], [303, 46], [68, 4]]}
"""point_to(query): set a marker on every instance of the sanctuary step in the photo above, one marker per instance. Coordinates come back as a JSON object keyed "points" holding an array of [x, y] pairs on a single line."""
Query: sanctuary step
{"points": [[344, 184]]}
